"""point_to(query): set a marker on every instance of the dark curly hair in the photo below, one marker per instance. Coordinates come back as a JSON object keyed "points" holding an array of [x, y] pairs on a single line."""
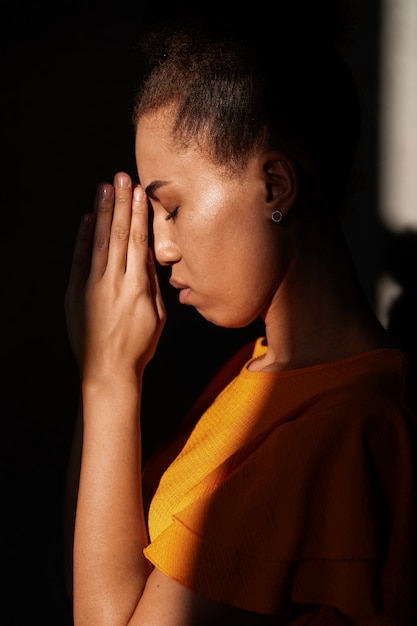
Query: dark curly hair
{"points": [[237, 88]]}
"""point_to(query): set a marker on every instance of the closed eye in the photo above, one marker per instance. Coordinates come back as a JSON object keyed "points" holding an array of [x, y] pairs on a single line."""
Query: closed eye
{"points": [[172, 214]]}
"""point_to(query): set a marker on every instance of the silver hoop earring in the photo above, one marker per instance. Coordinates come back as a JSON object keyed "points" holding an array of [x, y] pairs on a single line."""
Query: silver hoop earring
{"points": [[277, 216]]}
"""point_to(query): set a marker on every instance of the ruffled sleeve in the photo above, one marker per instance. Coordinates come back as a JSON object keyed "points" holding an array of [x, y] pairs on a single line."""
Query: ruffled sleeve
{"points": [[315, 510]]}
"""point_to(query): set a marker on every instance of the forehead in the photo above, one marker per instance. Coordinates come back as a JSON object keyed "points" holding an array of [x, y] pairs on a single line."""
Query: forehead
{"points": [[155, 129], [160, 154]]}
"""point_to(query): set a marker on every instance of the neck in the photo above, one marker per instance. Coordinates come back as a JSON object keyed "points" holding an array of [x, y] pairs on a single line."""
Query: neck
{"points": [[319, 312]]}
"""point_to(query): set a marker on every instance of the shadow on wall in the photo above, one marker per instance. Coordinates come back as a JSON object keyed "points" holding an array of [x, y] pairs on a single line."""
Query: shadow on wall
{"points": [[400, 263], [385, 258]]}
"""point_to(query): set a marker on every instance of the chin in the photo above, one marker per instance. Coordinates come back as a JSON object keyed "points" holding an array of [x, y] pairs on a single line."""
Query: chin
{"points": [[229, 321]]}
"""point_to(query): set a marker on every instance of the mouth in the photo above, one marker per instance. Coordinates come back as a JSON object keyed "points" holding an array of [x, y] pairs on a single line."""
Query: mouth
{"points": [[184, 290]]}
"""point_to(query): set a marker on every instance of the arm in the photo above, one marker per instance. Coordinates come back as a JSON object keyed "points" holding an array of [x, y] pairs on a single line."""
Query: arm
{"points": [[113, 337]]}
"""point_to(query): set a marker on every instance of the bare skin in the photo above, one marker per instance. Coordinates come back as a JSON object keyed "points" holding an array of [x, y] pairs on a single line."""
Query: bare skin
{"points": [[297, 276], [234, 265]]}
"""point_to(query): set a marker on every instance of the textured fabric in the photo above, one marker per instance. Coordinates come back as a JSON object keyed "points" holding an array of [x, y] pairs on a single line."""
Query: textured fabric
{"points": [[298, 487]]}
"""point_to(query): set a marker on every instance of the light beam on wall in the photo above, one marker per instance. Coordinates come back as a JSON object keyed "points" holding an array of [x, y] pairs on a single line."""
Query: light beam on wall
{"points": [[398, 115], [397, 193]]}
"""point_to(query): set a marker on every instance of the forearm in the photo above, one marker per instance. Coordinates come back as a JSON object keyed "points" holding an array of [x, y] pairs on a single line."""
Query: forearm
{"points": [[110, 570], [71, 493]]}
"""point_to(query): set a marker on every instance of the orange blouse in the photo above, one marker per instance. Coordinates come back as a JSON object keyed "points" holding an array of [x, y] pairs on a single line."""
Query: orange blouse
{"points": [[298, 487]]}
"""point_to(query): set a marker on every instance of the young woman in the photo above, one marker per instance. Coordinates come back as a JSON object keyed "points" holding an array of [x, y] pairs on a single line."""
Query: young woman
{"points": [[288, 496]]}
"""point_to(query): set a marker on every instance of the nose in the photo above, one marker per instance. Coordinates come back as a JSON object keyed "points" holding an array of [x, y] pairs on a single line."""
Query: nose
{"points": [[166, 249]]}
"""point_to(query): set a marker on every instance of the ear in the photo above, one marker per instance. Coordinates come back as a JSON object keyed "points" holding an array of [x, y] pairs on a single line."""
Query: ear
{"points": [[281, 182]]}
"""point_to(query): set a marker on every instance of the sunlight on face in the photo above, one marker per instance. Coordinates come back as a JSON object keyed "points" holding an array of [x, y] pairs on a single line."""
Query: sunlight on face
{"points": [[210, 228]]}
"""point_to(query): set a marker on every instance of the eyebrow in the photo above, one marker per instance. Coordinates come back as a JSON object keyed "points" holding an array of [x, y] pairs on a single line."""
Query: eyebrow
{"points": [[153, 187]]}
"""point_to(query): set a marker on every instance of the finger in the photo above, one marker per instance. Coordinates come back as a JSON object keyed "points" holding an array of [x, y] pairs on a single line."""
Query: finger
{"points": [[154, 285], [104, 216], [138, 237], [120, 228], [81, 259]]}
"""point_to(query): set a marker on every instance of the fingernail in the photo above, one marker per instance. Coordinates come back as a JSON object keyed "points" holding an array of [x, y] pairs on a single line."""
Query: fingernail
{"points": [[87, 219], [122, 180], [105, 191], [138, 193]]}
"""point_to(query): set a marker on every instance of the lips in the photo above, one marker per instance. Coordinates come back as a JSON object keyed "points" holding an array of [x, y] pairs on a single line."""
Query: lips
{"points": [[184, 290], [176, 284]]}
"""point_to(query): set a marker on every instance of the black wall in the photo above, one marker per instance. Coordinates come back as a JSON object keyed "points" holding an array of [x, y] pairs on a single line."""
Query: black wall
{"points": [[68, 79]]}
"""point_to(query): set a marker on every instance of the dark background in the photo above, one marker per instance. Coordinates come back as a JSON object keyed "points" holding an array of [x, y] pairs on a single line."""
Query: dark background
{"points": [[68, 80]]}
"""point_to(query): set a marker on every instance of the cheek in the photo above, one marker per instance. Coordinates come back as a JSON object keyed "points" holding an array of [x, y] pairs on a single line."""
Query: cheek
{"points": [[224, 228], [203, 234]]}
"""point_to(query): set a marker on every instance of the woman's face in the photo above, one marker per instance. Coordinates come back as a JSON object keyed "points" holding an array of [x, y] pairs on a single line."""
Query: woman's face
{"points": [[214, 231]]}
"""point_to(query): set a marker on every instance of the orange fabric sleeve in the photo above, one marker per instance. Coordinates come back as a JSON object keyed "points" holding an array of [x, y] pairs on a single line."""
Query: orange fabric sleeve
{"points": [[296, 487]]}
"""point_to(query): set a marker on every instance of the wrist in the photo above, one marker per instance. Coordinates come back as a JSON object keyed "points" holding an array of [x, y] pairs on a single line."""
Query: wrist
{"points": [[114, 385], [111, 377], [111, 403]]}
